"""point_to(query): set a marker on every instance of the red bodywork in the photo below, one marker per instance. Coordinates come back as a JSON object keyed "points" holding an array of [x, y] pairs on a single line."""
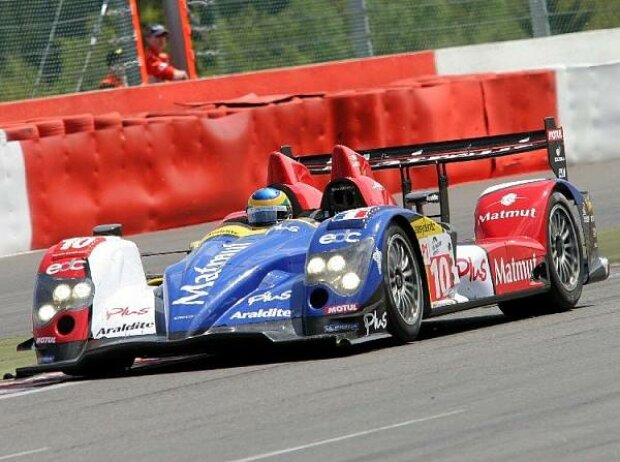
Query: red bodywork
{"points": [[66, 259], [346, 163], [511, 225]]}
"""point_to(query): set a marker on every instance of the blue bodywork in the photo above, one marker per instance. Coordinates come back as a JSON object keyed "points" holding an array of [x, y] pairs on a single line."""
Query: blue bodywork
{"points": [[242, 279]]}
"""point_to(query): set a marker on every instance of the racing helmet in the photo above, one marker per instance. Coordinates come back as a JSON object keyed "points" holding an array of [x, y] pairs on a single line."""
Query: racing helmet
{"points": [[267, 206]]}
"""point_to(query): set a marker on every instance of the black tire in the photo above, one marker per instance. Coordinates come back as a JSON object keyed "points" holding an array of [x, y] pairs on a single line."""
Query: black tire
{"points": [[101, 368], [564, 265], [405, 290]]}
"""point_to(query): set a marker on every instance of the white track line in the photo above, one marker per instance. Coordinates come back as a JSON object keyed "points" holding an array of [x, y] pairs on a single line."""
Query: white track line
{"points": [[36, 390], [346, 437], [25, 453]]}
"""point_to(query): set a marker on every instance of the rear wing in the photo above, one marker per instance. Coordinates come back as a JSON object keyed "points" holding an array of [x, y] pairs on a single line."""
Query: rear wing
{"points": [[442, 153]]}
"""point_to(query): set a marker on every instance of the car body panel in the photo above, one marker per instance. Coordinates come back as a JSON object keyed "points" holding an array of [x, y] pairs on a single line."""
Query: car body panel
{"points": [[316, 277]]}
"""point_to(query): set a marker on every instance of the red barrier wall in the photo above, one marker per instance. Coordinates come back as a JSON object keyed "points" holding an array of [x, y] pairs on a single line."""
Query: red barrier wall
{"points": [[318, 78], [518, 102], [160, 170]]}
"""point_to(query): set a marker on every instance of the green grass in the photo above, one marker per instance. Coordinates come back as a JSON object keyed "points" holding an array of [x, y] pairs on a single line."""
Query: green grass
{"points": [[10, 359], [609, 244]]}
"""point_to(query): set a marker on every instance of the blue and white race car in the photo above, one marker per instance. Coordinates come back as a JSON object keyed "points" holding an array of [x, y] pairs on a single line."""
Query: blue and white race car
{"points": [[350, 265]]}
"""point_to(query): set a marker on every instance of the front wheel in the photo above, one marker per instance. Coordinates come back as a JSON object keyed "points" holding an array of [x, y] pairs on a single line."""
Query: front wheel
{"points": [[404, 286], [564, 264]]}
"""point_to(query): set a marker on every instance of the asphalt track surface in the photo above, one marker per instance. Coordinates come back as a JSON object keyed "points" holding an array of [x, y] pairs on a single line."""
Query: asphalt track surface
{"points": [[473, 387]]}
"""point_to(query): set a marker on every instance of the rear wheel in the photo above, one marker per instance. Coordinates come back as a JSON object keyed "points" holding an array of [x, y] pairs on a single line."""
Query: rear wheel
{"points": [[404, 285], [564, 265]]}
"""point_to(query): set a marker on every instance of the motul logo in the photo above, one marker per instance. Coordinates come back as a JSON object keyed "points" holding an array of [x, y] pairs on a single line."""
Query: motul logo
{"points": [[524, 213], [340, 309], [555, 135], [514, 270]]}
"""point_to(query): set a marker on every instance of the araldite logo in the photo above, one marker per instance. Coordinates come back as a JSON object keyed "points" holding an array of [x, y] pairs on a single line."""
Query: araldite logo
{"points": [[342, 309], [507, 272], [75, 264], [263, 314], [125, 328], [502, 214]]}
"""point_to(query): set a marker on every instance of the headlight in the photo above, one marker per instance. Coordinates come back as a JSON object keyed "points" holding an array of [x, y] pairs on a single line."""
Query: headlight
{"points": [[350, 281], [342, 269], [61, 293], [53, 295], [81, 291], [45, 313], [336, 263], [316, 265]]}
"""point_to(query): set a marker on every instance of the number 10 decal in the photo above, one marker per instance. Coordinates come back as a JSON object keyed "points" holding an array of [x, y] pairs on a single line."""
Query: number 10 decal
{"points": [[442, 279]]}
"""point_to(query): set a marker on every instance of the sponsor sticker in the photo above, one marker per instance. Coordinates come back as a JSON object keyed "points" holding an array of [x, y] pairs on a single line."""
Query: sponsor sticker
{"points": [[262, 314], [425, 227], [233, 231], [508, 199], [555, 134], [474, 272], [126, 329], [346, 236], [505, 214], [45, 340], [75, 264], [208, 274], [341, 309], [339, 327], [377, 256], [357, 214], [268, 297], [124, 312], [374, 322], [513, 270], [128, 311], [183, 317]]}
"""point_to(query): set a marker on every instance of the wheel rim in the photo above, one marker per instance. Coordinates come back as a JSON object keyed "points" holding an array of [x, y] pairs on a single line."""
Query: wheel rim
{"points": [[564, 247], [404, 280]]}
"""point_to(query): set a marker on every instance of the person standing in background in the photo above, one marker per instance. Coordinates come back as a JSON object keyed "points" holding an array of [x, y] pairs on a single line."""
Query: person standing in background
{"points": [[116, 76], [158, 65]]}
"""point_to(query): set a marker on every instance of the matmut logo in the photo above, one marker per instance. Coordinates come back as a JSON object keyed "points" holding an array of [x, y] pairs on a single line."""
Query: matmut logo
{"points": [[507, 272], [503, 214]]}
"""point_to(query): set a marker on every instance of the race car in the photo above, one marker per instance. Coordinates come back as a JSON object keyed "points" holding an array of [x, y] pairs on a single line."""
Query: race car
{"points": [[350, 265]]}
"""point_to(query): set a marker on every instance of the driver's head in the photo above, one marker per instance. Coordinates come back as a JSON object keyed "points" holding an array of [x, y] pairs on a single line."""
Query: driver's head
{"points": [[267, 206]]}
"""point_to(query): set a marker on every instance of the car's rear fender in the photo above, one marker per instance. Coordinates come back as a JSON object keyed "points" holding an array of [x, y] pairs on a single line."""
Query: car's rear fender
{"points": [[529, 217], [519, 209]]}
